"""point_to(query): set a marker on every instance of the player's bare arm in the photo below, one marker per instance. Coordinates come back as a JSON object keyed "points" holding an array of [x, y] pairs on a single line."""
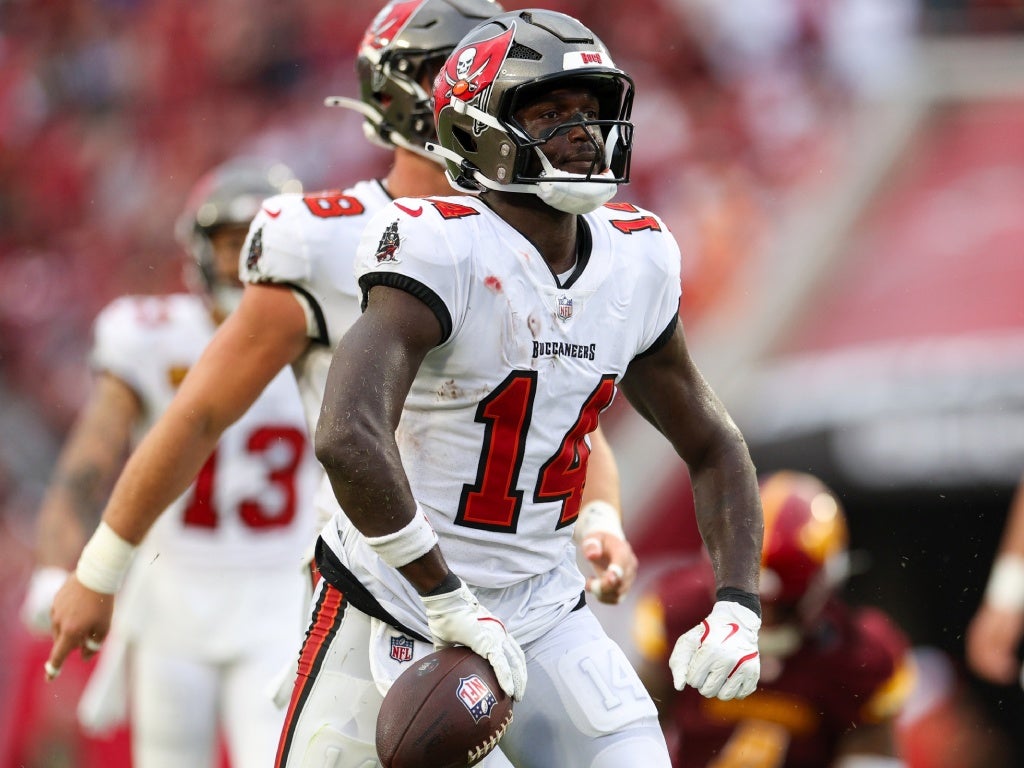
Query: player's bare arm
{"points": [[86, 469], [245, 355], [375, 364], [599, 533], [668, 390], [995, 631], [719, 657], [602, 472], [370, 377]]}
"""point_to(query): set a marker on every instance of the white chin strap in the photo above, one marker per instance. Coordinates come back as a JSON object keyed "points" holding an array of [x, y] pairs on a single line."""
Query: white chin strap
{"points": [[372, 124], [576, 197]]}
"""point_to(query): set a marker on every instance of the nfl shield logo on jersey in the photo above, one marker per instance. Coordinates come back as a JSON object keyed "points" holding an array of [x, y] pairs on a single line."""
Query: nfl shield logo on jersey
{"points": [[401, 648], [476, 697], [564, 307]]}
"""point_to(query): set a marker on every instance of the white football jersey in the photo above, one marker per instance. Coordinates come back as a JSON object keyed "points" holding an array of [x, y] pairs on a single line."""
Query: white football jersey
{"points": [[251, 504], [307, 242], [494, 432]]}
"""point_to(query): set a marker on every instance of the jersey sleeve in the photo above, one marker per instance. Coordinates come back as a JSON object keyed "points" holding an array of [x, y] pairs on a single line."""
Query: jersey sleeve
{"points": [[277, 251], [275, 247], [415, 253], [664, 313], [650, 250], [119, 342]]}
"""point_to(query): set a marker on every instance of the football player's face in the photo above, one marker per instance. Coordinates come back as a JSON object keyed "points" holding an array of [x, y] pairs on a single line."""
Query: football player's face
{"points": [[227, 244], [576, 149]]}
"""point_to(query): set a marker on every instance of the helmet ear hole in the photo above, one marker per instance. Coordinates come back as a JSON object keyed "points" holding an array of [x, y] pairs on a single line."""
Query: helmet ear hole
{"points": [[464, 138]]}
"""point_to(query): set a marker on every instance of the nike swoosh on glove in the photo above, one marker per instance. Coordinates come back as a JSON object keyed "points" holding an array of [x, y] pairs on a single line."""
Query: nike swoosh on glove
{"points": [[719, 656], [457, 618], [42, 587]]}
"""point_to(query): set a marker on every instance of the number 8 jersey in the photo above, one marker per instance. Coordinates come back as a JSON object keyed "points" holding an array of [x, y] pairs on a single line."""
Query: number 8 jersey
{"points": [[493, 435]]}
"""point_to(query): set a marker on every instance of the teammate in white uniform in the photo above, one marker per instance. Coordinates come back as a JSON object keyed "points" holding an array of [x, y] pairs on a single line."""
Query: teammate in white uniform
{"points": [[204, 625], [454, 424], [300, 298]]}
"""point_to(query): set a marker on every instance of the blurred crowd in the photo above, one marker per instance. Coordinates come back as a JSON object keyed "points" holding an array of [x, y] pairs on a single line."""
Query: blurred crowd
{"points": [[109, 110]]}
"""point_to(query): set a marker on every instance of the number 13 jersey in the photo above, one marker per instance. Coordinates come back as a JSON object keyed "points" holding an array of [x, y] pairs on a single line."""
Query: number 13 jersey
{"points": [[250, 506]]}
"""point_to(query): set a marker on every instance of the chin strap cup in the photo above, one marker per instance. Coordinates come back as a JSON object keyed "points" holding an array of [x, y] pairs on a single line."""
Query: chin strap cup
{"points": [[577, 197]]}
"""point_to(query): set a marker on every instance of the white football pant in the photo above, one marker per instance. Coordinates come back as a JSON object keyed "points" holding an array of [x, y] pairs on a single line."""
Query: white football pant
{"points": [[584, 706]]}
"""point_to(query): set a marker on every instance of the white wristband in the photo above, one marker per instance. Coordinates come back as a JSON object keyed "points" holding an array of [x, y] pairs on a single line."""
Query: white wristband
{"points": [[1005, 589], [406, 544], [598, 516], [104, 561]]}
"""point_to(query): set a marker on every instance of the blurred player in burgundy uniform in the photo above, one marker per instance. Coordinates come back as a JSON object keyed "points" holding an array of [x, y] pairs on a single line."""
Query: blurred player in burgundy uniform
{"points": [[833, 677], [211, 609]]}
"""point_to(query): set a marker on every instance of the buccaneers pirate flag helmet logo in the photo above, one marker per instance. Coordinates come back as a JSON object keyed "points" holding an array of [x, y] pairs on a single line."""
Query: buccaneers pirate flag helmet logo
{"points": [[387, 25], [469, 71]]}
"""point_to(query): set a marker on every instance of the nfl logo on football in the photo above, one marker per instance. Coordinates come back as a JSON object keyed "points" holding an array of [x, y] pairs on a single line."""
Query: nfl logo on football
{"points": [[401, 649], [476, 697], [564, 307]]}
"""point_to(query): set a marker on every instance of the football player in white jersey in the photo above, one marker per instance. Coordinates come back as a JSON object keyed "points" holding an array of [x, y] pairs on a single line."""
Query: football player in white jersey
{"points": [[495, 329], [212, 606], [299, 299]]}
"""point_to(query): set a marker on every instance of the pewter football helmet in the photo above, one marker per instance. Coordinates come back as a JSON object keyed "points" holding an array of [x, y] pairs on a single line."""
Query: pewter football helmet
{"points": [[505, 64], [230, 194], [404, 44]]}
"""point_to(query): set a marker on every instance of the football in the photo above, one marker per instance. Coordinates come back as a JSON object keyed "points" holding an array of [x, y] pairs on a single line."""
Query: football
{"points": [[446, 711]]}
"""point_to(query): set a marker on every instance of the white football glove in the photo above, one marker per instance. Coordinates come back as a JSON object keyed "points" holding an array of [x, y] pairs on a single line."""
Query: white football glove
{"points": [[457, 618], [42, 588], [719, 656]]}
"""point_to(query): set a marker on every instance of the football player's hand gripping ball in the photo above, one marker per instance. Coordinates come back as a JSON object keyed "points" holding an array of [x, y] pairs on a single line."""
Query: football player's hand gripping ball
{"points": [[457, 618], [719, 656]]}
